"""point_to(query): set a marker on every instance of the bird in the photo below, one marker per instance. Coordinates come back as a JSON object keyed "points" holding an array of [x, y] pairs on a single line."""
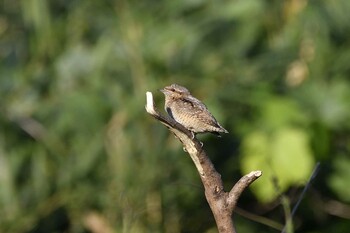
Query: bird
{"points": [[189, 111]]}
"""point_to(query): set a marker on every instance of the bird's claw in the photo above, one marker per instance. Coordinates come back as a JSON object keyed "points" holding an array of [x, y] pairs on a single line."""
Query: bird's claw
{"points": [[193, 135]]}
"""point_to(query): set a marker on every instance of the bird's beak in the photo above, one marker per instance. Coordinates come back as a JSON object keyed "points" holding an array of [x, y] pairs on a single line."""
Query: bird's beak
{"points": [[163, 90]]}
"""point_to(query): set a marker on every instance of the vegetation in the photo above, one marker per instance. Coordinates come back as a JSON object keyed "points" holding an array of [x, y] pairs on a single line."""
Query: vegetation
{"points": [[78, 152]]}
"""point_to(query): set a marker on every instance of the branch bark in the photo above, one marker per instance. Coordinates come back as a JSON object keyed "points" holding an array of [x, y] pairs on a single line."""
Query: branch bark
{"points": [[221, 203]]}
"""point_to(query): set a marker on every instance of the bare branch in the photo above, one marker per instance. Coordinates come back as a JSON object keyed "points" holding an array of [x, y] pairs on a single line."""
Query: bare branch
{"points": [[240, 186], [221, 203]]}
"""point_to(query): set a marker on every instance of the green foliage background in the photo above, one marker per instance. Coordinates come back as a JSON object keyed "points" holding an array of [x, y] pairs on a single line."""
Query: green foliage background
{"points": [[78, 153]]}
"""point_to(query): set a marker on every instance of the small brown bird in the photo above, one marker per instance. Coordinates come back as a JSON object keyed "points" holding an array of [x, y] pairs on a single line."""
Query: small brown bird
{"points": [[189, 111]]}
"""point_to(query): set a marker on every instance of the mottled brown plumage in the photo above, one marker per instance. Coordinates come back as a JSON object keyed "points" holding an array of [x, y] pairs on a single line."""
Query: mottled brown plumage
{"points": [[189, 111]]}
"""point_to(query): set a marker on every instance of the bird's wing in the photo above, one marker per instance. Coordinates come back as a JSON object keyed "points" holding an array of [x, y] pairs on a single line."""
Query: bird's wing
{"points": [[200, 110], [196, 104]]}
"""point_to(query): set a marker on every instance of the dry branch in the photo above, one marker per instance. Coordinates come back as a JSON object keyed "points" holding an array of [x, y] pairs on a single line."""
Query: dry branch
{"points": [[221, 203]]}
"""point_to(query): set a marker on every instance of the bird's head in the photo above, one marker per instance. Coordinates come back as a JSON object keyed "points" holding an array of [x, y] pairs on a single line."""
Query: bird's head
{"points": [[175, 91]]}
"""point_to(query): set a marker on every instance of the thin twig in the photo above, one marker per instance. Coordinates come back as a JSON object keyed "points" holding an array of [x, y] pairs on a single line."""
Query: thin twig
{"points": [[313, 175]]}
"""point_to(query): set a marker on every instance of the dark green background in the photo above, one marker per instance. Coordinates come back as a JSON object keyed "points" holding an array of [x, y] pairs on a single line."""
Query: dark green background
{"points": [[78, 152]]}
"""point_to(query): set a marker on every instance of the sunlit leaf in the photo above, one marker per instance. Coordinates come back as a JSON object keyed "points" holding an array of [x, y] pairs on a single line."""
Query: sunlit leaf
{"points": [[284, 158]]}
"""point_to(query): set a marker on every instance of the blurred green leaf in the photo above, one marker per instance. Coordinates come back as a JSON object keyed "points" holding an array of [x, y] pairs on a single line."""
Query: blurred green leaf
{"points": [[284, 157]]}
